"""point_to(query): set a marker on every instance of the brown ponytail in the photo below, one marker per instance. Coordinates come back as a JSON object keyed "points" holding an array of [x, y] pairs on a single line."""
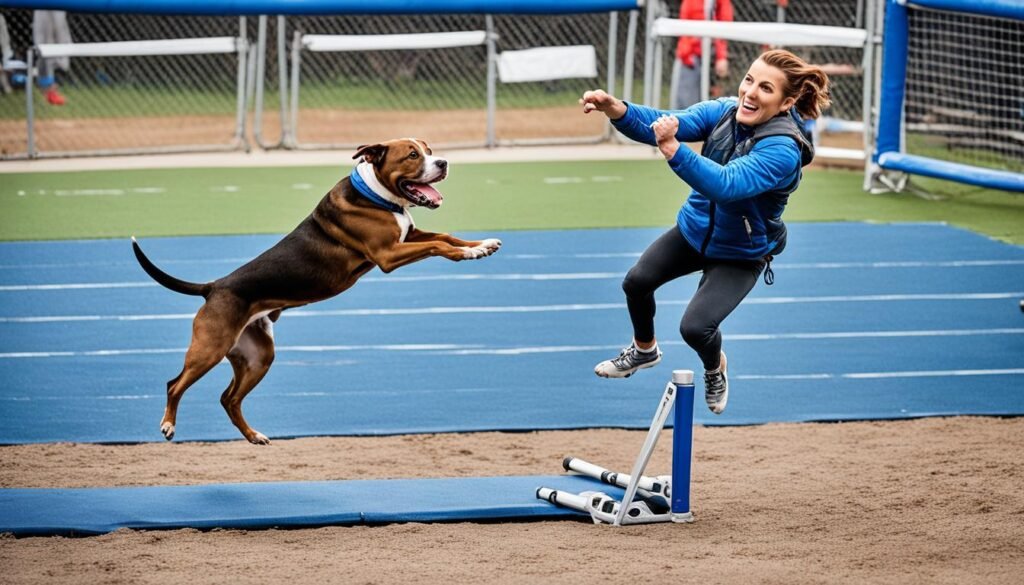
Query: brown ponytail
{"points": [[807, 83]]}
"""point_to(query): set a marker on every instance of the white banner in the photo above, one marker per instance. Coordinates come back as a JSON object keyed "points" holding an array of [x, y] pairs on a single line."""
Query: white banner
{"points": [[547, 63]]}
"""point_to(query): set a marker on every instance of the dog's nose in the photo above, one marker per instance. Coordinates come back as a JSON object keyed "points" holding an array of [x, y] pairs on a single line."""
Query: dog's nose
{"points": [[441, 164]]}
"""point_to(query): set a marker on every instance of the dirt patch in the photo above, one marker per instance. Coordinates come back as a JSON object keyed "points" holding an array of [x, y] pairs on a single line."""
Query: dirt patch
{"points": [[349, 127], [103, 134], [321, 127], [922, 501]]}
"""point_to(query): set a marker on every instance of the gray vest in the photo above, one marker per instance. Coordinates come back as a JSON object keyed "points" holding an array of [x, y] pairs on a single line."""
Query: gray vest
{"points": [[721, 147]]}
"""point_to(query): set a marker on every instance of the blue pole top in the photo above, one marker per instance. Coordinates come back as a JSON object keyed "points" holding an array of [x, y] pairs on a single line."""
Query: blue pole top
{"points": [[1013, 9], [324, 7]]}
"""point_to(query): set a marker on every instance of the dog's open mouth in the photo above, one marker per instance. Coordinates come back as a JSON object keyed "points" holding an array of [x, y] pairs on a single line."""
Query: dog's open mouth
{"points": [[421, 194]]}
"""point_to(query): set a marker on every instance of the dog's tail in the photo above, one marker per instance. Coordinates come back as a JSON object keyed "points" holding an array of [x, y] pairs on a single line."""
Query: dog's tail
{"points": [[168, 281]]}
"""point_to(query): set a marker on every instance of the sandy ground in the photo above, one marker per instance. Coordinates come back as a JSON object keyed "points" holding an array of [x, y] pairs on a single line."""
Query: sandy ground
{"points": [[935, 500]]}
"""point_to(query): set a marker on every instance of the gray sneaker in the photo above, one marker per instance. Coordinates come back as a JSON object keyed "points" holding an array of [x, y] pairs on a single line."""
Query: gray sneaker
{"points": [[630, 360], [716, 387]]}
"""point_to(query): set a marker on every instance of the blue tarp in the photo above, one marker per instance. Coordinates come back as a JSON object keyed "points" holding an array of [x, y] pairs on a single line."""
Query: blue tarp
{"points": [[43, 512]]}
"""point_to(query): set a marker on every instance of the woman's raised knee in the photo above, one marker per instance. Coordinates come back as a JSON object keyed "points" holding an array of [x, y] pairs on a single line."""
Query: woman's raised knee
{"points": [[696, 334]]}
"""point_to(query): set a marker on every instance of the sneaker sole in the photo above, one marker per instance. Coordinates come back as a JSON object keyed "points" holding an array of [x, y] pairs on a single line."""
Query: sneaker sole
{"points": [[628, 373], [721, 407]]}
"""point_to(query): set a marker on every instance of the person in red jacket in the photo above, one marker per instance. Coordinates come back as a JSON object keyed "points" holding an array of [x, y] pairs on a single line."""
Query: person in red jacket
{"points": [[686, 69]]}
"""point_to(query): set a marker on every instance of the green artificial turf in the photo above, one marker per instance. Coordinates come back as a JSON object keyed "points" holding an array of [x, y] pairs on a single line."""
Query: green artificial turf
{"points": [[478, 197]]}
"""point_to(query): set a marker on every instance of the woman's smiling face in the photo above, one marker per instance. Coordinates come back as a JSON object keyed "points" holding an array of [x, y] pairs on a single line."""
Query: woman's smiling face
{"points": [[762, 94]]}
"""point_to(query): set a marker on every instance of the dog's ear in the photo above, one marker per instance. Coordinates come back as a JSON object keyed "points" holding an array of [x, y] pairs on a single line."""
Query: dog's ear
{"points": [[372, 153]]}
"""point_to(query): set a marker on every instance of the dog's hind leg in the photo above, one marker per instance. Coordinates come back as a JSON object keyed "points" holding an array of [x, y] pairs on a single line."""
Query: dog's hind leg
{"points": [[214, 331], [251, 357]]}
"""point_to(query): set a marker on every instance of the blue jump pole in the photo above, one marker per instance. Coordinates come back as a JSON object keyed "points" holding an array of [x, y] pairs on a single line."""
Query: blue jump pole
{"points": [[682, 446]]}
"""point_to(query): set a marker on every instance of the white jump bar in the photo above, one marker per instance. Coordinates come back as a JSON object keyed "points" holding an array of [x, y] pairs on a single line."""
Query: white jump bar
{"points": [[442, 40], [202, 46], [766, 33]]}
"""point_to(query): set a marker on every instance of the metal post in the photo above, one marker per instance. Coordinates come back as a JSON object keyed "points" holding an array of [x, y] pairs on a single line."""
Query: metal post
{"points": [[630, 57], [652, 13], [878, 16], [613, 34], [492, 81], [705, 54], [659, 51], [282, 78], [296, 50], [250, 80], [629, 62], [261, 58], [658, 423], [30, 81], [867, 95], [243, 51]]}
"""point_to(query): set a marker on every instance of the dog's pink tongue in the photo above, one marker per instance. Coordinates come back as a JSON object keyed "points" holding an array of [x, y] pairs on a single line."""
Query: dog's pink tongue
{"points": [[429, 192]]}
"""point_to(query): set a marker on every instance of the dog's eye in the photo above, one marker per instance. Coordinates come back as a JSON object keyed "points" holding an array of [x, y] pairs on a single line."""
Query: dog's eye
{"points": [[414, 154]]}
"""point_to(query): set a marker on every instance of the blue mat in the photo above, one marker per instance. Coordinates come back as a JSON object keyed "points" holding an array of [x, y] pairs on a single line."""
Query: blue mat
{"points": [[44, 512], [864, 321]]}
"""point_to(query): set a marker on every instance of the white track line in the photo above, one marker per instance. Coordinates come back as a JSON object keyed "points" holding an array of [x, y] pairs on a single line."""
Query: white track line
{"points": [[537, 276], [533, 308], [478, 349], [425, 278], [286, 348], [75, 286], [94, 192], [600, 255], [375, 392], [746, 337], [878, 375], [903, 264]]}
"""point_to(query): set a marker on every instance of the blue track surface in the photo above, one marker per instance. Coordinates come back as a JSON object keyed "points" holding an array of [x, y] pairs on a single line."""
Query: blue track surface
{"points": [[864, 322], [43, 512]]}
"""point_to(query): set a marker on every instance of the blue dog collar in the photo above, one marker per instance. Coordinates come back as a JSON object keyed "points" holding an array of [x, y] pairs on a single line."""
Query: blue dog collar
{"points": [[363, 189]]}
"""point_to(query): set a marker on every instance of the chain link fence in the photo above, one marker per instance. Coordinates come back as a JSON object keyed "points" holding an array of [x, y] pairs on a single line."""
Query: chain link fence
{"points": [[190, 102], [355, 97], [115, 103]]}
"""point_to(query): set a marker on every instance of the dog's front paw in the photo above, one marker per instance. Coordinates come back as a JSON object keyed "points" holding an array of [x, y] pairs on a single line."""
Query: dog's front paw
{"points": [[168, 430], [492, 245], [473, 253], [482, 250]]}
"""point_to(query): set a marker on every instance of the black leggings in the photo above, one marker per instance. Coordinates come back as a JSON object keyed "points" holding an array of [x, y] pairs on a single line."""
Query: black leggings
{"points": [[722, 286]]}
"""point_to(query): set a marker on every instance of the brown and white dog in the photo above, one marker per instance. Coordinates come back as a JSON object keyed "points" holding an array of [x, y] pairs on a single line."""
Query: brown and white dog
{"points": [[361, 223]]}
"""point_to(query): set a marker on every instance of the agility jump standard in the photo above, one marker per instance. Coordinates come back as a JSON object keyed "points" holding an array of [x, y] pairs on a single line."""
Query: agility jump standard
{"points": [[647, 499]]}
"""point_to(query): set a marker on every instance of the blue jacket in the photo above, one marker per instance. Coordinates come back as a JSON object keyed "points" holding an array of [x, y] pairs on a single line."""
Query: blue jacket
{"points": [[741, 184]]}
